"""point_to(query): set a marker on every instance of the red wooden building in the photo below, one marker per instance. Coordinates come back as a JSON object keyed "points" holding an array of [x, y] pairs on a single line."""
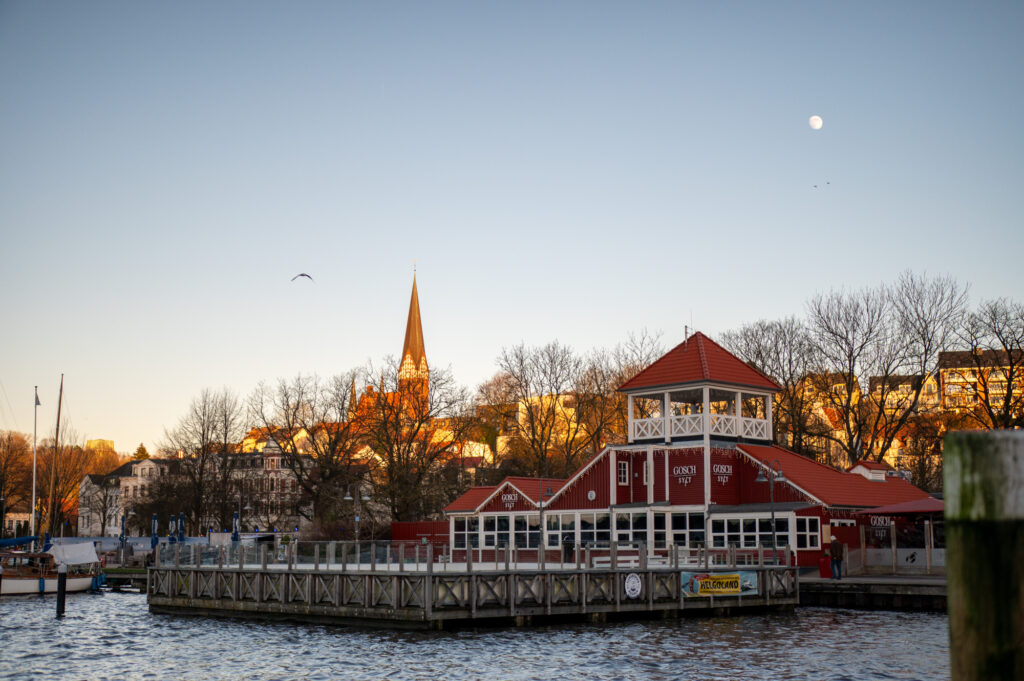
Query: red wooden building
{"points": [[699, 469]]}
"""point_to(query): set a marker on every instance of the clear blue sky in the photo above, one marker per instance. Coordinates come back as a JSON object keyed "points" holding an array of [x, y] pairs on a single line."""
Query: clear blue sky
{"points": [[571, 171]]}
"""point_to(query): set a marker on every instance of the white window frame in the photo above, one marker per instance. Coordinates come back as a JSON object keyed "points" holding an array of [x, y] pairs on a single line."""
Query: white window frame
{"points": [[812, 537], [623, 473]]}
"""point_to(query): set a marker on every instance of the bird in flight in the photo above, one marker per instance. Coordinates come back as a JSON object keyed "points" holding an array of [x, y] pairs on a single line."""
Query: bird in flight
{"points": [[303, 274]]}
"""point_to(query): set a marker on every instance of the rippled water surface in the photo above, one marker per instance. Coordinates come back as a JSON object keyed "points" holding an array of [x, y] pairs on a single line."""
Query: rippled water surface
{"points": [[113, 636]]}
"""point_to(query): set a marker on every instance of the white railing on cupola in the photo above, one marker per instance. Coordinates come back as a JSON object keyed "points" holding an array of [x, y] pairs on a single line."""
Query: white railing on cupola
{"points": [[667, 425]]}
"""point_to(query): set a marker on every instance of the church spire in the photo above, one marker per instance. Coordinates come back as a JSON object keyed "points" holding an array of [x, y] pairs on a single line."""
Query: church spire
{"points": [[414, 356]]}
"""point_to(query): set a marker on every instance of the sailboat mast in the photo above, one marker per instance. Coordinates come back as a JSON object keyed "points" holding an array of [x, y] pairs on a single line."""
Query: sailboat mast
{"points": [[35, 421], [56, 458]]}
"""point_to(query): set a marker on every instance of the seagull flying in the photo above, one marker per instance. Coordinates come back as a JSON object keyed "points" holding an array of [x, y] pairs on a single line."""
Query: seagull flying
{"points": [[303, 274]]}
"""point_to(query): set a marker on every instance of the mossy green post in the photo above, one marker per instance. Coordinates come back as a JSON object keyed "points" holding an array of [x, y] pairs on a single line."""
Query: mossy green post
{"points": [[984, 495]]}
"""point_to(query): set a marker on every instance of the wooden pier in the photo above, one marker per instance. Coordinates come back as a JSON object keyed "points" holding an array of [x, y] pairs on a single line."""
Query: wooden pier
{"points": [[436, 595], [876, 592]]}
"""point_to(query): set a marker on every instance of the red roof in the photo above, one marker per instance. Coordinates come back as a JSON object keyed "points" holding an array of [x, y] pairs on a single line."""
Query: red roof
{"points": [[470, 499], [699, 359], [474, 497], [533, 487], [832, 487], [927, 505]]}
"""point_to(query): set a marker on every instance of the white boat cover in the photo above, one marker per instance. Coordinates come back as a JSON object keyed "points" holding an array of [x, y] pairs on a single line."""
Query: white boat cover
{"points": [[74, 554]]}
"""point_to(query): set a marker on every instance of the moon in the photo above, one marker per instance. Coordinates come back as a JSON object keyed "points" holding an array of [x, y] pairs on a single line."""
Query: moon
{"points": [[815, 122]]}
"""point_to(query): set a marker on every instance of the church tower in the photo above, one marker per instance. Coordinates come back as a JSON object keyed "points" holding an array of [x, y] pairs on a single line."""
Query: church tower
{"points": [[414, 357]]}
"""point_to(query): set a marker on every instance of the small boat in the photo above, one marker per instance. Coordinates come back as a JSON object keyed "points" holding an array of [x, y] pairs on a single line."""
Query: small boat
{"points": [[28, 572]]}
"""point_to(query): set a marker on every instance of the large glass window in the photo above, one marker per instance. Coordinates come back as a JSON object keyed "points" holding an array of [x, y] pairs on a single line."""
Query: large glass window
{"points": [[631, 527], [467, 532], [594, 527], [560, 526], [748, 532], [688, 529], [808, 533]]}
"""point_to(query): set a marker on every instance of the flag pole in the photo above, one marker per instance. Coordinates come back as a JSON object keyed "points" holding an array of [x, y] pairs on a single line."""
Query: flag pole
{"points": [[35, 411]]}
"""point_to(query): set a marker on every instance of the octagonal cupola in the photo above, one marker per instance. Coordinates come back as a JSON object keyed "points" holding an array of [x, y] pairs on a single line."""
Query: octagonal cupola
{"points": [[699, 391]]}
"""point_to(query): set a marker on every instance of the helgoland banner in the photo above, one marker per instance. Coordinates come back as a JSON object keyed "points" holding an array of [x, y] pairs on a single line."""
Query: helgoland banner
{"points": [[697, 584]]}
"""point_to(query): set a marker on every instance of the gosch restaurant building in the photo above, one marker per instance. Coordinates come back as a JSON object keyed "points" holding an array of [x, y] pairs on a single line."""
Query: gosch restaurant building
{"points": [[699, 469]]}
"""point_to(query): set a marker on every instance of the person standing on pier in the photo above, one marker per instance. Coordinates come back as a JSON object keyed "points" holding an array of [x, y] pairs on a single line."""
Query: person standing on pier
{"points": [[836, 553]]}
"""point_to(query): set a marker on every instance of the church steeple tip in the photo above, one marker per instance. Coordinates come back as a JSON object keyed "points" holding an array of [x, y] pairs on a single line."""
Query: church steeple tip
{"points": [[414, 355]]}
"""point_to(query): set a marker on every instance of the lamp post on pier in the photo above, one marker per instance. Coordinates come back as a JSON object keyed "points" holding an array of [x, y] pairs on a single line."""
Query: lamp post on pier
{"points": [[774, 474], [361, 497]]}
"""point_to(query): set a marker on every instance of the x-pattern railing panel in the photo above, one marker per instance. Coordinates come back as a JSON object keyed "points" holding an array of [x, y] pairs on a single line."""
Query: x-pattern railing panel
{"points": [[382, 591], [450, 591], [273, 587], [298, 588], [600, 588], [182, 582], [323, 587], [664, 586], [207, 584], [248, 586], [226, 585], [531, 590], [563, 588], [648, 428], [491, 590], [352, 590], [687, 424], [411, 592]]}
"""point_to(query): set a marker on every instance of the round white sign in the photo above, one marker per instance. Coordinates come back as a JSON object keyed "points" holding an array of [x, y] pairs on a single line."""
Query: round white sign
{"points": [[591, 495], [634, 585]]}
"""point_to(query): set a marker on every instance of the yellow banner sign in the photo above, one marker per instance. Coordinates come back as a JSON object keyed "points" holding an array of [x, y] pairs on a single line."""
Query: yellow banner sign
{"points": [[719, 584]]}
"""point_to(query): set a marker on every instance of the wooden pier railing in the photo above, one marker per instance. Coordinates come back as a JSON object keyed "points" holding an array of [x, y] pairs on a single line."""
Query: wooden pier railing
{"points": [[426, 592]]}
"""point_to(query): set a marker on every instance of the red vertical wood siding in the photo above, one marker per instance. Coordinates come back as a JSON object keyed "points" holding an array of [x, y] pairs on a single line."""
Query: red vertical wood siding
{"points": [[574, 495], [658, 480], [725, 476], [680, 490]]}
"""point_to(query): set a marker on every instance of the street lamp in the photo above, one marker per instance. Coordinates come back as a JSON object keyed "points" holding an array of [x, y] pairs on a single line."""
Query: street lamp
{"points": [[124, 519], [364, 497], [774, 475]]}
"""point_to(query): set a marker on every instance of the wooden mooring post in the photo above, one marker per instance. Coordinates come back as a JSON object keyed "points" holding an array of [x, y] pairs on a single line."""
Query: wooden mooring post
{"points": [[984, 494]]}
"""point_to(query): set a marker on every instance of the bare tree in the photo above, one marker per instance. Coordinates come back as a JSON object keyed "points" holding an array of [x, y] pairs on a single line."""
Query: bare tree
{"points": [[783, 350], [994, 336], [204, 440], [63, 466], [15, 471], [876, 348], [98, 499], [313, 421], [541, 382], [414, 427]]}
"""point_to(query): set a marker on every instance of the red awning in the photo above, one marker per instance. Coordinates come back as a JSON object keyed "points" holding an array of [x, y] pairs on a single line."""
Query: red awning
{"points": [[926, 505]]}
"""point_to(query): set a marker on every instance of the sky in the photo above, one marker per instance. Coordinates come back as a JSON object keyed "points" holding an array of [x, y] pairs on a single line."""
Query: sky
{"points": [[571, 171]]}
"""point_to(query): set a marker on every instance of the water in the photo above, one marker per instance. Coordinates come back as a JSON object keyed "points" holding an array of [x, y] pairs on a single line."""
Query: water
{"points": [[113, 636]]}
